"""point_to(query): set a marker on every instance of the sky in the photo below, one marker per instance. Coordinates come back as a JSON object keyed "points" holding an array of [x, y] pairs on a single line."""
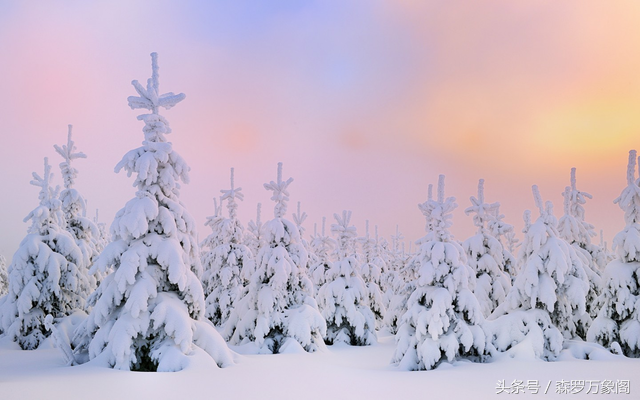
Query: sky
{"points": [[365, 103]]}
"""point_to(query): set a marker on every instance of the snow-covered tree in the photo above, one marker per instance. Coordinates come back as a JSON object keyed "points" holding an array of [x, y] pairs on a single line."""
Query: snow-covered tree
{"points": [[443, 317], [148, 313], [298, 218], [84, 231], [103, 234], [618, 323], [577, 232], [321, 246], [252, 236], [547, 300], [4, 279], [46, 275], [395, 259], [278, 309], [371, 270], [486, 256], [343, 298], [505, 234], [224, 258], [397, 284], [607, 255]]}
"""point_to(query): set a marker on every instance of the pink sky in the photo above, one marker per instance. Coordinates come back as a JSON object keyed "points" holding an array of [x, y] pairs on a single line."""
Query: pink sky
{"points": [[365, 102]]}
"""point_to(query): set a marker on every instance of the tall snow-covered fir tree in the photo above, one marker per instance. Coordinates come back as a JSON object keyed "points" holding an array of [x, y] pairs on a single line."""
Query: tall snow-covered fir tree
{"points": [[371, 270], [298, 218], [252, 236], [547, 299], [148, 312], [343, 298], [577, 232], [103, 233], [4, 278], [400, 280], [322, 247], [617, 325], [443, 317], [397, 284], [505, 234], [224, 258], [278, 309], [486, 256], [84, 231], [46, 275], [607, 254]]}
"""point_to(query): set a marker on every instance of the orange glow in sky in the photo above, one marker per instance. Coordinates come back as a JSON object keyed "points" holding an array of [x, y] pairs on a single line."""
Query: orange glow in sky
{"points": [[366, 103]]}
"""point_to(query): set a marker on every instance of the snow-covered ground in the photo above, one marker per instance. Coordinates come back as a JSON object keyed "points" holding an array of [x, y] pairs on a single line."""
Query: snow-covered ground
{"points": [[339, 372]]}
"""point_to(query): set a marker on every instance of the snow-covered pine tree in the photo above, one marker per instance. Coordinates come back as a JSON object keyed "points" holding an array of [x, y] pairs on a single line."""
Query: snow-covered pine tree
{"points": [[101, 241], [103, 234], [608, 255], [148, 313], [343, 298], [398, 283], [278, 310], [443, 317], [486, 256], [618, 323], [505, 234], [46, 275], [299, 218], [4, 279], [322, 246], [84, 231], [371, 270], [394, 257], [577, 232], [547, 299], [400, 280], [224, 258], [252, 236]]}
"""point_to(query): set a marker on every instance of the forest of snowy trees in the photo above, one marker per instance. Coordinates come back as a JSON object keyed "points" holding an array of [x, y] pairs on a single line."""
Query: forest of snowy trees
{"points": [[146, 293]]}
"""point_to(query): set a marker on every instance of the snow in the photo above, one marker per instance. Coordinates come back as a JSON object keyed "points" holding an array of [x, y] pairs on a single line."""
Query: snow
{"points": [[338, 372]]}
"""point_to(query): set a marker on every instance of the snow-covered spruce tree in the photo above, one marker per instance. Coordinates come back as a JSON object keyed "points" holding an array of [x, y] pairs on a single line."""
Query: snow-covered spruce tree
{"points": [[607, 254], [148, 312], [397, 283], [505, 234], [102, 239], [46, 275], [252, 236], [322, 246], [225, 256], [577, 232], [278, 310], [343, 298], [103, 234], [547, 299], [394, 256], [401, 277], [299, 218], [4, 279], [83, 230], [371, 271], [618, 323], [443, 317], [597, 251], [486, 256]]}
